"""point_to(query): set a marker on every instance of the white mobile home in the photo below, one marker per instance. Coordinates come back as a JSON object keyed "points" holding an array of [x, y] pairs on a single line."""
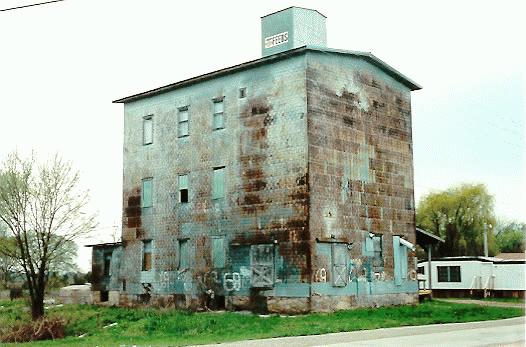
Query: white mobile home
{"points": [[475, 276]]}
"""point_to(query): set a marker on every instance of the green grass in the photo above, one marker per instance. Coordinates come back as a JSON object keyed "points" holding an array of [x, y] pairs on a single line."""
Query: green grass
{"points": [[149, 326]]}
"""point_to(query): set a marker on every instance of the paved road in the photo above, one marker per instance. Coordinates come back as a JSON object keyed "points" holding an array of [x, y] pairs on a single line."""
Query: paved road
{"points": [[484, 302], [505, 332]]}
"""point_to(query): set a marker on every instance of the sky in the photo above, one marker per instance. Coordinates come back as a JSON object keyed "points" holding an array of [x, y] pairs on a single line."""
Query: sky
{"points": [[62, 64]]}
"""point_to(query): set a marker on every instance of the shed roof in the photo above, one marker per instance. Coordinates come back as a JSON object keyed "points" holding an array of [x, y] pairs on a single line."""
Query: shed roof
{"points": [[108, 244], [483, 259], [270, 59], [424, 238]]}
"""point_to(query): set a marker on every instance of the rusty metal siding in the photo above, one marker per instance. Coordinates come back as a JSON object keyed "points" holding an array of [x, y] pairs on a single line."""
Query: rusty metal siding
{"points": [[316, 156], [263, 149], [360, 168]]}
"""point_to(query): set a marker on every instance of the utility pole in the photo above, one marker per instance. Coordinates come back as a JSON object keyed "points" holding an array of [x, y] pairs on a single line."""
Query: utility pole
{"points": [[485, 240]]}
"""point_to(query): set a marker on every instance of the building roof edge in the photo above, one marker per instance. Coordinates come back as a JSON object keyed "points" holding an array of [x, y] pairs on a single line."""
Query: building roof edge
{"points": [[268, 59]]}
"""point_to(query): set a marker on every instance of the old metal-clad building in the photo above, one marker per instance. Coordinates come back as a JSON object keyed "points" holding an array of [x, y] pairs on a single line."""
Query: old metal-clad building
{"points": [[283, 184]]}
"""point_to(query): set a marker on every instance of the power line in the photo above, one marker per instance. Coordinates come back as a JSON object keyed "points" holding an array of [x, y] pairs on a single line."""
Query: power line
{"points": [[30, 5]]}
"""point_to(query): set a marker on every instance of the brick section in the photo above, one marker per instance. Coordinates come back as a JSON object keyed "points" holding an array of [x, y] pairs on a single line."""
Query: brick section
{"points": [[360, 157]]}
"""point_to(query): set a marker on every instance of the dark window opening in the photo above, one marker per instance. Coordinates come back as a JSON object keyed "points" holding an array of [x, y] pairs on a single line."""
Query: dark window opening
{"points": [[448, 273], [184, 195], [242, 93], [183, 188], [123, 285], [107, 264], [104, 296], [421, 270]]}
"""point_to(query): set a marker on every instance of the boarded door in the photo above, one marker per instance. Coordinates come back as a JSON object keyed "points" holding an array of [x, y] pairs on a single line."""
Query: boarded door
{"points": [[262, 265], [218, 252], [339, 264]]}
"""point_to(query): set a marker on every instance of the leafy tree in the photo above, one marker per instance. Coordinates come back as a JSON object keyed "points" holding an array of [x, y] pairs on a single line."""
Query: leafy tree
{"points": [[43, 209], [458, 215], [511, 237]]}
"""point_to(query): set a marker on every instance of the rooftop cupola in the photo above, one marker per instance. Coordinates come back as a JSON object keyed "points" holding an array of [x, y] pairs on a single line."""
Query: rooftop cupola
{"points": [[291, 28]]}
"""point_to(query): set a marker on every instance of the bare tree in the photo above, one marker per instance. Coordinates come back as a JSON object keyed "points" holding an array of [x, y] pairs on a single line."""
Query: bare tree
{"points": [[43, 208], [7, 264]]}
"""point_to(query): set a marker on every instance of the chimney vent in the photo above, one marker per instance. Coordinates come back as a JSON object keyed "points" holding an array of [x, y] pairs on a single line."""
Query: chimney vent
{"points": [[291, 28]]}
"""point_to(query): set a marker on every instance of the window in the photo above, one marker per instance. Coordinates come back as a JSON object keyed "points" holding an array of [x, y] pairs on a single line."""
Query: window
{"points": [[421, 270], [183, 128], [147, 130], [218, 183], [219, 117], [147, 192], [147, 255], [242, 93], [218, 252], [448, 273], [107, 263], [183, 189], [184, 255]]}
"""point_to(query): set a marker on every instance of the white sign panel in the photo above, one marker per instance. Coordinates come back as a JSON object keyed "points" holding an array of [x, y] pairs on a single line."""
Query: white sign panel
{"points": [[276, 40]]}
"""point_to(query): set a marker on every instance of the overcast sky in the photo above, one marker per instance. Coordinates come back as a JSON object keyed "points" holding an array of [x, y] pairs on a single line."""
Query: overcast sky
{"points": [[62, 64]]}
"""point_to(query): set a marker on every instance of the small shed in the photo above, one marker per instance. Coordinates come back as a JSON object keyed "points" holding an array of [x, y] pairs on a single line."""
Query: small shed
{"points": [[76, 294], [427, 240]]}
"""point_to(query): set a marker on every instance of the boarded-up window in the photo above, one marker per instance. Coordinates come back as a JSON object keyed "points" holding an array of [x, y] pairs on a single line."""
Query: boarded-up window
{"points": [[262, 265], [339, 264], [147, 130], [184, 254], [219, 117], [107, 263], [218, 252], [183, 188], [147, 255], [184, 122], [218, 183], [147, 187]]}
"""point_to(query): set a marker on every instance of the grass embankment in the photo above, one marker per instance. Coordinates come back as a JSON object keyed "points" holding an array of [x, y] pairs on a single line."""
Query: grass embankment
{"points": [[149, 326]]}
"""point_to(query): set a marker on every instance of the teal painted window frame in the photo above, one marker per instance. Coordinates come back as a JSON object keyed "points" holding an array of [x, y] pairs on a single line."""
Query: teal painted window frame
{"points": [[218, 183], [147, 192], [183, 122], [218, 120], [183, 181], [147, 130]]}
